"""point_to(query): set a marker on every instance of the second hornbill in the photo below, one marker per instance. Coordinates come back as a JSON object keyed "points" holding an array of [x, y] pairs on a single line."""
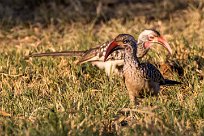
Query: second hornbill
{"points": [[139, 77], [96, 55]]}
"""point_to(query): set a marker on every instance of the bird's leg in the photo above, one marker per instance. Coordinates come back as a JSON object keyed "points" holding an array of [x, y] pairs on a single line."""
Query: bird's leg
{"points": [[132, 100]]}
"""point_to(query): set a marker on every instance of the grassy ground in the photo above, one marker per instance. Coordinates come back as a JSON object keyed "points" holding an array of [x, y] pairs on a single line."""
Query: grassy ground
{"points": [[53, 96]]}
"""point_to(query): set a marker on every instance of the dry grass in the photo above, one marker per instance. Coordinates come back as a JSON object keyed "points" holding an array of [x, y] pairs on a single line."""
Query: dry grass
{"points": [[53, 96]]}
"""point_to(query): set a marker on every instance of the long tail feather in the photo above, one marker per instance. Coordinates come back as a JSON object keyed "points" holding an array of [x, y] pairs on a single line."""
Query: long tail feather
{"points": [[171, 82], [63, 53]]}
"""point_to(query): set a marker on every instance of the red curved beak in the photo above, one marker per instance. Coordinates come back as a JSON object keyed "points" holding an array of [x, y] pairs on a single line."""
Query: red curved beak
{"points": [[163, 42], [113, 45]]}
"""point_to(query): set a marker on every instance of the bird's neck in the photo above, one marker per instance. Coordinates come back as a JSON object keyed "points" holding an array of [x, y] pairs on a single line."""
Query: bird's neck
{"points": [[130, 59], [141, 51]]}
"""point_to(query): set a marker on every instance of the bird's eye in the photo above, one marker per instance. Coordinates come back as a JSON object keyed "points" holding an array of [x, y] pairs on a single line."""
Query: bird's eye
{"points": [[125, 41], [151, 37]]}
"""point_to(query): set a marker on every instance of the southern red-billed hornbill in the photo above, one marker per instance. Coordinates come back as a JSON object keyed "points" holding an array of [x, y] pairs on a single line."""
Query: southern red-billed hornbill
{"points": [[139, 77], [96, 55]]}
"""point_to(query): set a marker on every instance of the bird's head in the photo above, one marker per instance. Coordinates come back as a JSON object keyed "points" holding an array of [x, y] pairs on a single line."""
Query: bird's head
{"points": [[150, 36], [122, 41]]}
